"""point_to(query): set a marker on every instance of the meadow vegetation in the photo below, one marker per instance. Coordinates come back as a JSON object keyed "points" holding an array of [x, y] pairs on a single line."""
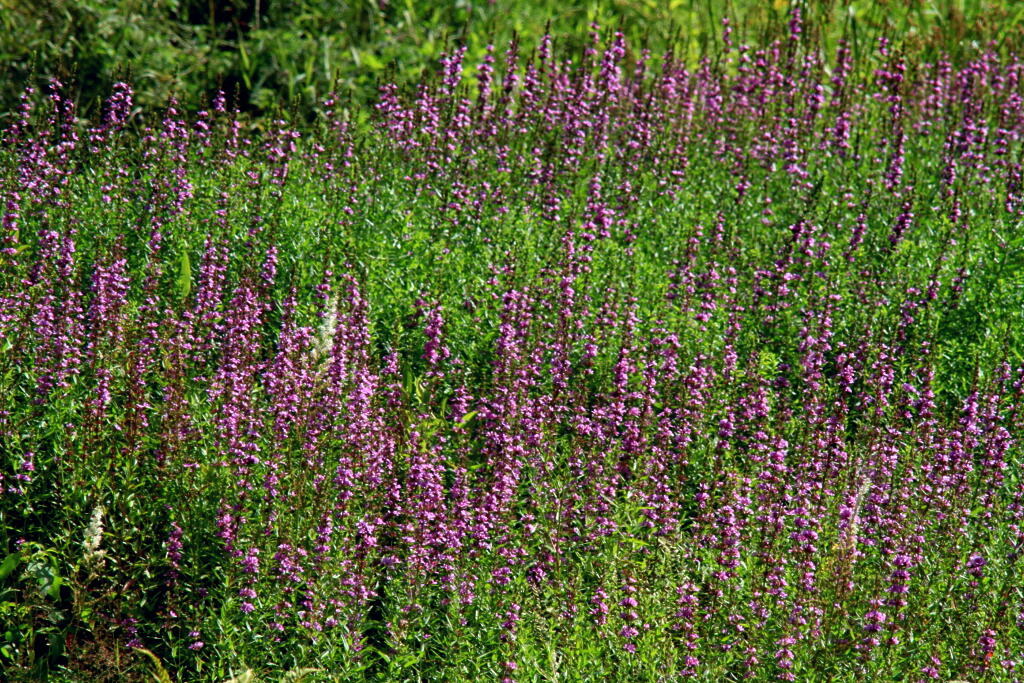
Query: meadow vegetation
{"points": [[268, 55], [605, 363]]}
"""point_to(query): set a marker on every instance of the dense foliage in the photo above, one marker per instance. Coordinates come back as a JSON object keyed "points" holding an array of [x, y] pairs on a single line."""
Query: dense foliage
{"points": [[275, 54], [592, 366]]}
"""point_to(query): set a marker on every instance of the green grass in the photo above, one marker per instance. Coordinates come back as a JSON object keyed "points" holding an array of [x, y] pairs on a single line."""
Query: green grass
{"points": [[295, 54]]}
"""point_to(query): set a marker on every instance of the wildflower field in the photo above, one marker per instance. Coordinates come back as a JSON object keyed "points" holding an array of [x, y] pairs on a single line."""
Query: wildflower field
{"points": [[554, 365]]}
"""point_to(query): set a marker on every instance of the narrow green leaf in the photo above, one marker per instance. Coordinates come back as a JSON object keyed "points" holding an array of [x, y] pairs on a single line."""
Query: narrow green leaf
{"points": [[467, 417], [184, 275], [160, 674]]}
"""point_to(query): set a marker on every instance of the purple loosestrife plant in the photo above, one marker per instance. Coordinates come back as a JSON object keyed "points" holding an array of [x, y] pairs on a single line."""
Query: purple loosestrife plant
{"points": [[681, 366]]}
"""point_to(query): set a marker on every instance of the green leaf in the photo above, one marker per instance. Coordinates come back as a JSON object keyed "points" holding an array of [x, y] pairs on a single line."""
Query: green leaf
{"points": [[160, 674], [184, 275], [9, 564], [41, 568], [246, 66]]}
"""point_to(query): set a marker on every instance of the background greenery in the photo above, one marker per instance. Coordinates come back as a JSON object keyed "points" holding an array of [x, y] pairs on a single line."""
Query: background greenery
{"points": [[270, 52]]}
